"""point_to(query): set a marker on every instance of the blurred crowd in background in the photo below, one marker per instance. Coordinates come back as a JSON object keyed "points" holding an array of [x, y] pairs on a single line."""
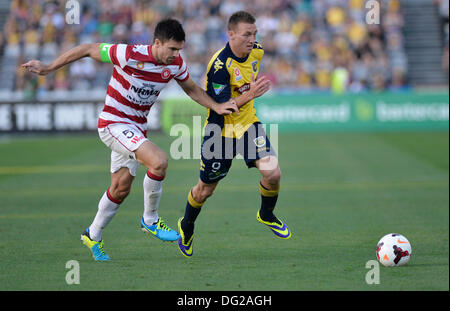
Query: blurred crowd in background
{"points": [[307, 43], [443, 7]]}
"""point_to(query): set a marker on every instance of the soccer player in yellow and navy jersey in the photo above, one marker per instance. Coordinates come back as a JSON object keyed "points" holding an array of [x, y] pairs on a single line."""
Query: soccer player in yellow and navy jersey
{"points": [[232, 73]]}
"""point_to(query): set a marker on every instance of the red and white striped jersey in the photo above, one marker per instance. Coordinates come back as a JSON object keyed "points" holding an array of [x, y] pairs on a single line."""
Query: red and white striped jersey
{"points": [[135, 84]]}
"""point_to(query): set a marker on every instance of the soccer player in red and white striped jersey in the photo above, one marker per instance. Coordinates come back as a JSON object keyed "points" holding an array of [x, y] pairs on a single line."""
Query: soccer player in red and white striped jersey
{"points": [[140, 73], [136, 82]]}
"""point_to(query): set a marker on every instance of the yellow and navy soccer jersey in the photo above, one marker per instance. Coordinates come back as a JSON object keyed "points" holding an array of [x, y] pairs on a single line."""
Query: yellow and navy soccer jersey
{"points": [[230, 76]]}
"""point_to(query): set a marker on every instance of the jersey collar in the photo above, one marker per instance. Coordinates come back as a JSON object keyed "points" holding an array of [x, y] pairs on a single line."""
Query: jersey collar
{"points": [[238, 59]]}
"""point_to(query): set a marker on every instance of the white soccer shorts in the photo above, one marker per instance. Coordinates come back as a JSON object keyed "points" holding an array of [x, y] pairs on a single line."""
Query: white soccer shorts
{"points": [[123, 139]]}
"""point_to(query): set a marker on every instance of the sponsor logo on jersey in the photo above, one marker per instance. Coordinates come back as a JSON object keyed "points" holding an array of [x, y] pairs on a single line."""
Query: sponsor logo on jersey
{"points": [[146, 91], [218, 64], [244, 88], [237, 74], [218, 88]]}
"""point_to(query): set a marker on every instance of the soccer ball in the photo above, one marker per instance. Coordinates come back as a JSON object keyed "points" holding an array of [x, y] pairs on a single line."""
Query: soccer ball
{"points": [[393, 250]]}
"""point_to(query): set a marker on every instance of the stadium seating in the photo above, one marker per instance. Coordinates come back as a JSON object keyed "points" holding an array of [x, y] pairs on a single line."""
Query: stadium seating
{"points": [[305, 41]]}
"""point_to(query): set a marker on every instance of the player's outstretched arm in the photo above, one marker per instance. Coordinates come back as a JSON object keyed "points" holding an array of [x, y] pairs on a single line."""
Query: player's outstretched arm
{"points": [[91, 49], [199, 95]]}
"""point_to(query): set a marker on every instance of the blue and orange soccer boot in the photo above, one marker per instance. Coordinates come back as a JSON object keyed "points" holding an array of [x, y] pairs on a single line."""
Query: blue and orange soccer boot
{"points": [[95, 247], [160, 230], [185, 247], [279, 229]]}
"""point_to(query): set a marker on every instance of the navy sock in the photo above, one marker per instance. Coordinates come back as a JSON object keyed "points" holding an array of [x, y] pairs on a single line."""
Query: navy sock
{"points": [[191, 212], [268, 202]]}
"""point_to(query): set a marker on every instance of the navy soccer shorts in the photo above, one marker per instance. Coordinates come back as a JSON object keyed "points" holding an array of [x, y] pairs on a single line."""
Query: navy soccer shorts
{"points": [[218, 152]]}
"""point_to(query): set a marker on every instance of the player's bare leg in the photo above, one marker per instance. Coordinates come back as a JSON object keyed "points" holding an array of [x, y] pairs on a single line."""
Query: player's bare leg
{"points": [[270, 172], [269, 187], [203, 191], [156, 161], [153, 158], [121, 182]]}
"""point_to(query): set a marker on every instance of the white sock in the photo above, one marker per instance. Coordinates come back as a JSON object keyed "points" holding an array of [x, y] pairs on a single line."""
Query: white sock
{"points": [[107, 208], [152, 195]]}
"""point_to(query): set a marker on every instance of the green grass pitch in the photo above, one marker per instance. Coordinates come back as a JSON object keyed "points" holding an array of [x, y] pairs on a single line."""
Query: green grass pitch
{"points": [[340, 194]]}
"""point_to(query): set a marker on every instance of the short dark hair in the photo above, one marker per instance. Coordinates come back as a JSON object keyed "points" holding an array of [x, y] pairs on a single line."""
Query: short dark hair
{"points": [[240, 17], [169, 29]]}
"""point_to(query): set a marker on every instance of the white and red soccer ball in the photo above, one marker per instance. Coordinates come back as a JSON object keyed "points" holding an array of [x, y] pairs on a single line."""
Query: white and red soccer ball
{"points": [[393, 250]]}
